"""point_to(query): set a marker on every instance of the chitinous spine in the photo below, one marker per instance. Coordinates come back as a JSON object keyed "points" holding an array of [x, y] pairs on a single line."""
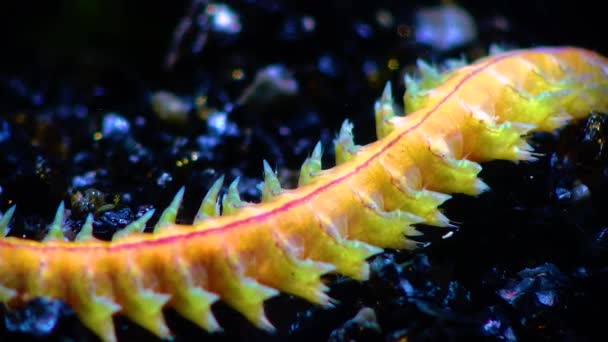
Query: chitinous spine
{"points": [[244, 253]]}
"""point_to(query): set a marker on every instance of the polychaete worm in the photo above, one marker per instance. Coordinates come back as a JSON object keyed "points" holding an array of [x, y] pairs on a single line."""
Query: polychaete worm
{"points": [[244, 253]]}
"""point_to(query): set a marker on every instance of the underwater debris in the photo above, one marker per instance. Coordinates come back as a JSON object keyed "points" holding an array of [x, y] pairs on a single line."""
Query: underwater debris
{"points": [[364, 326], [444, 27], [270, 83], [170, 107]]}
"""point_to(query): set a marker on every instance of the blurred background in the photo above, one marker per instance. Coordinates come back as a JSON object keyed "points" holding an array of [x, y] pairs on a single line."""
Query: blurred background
{"points": [[135, 35]]}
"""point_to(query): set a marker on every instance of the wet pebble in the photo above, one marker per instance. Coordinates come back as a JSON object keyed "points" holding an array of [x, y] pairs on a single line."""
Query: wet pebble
{"points": [[38, 318]]}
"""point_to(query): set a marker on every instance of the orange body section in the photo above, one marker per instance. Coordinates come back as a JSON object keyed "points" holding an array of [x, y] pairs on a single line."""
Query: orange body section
{"points": [[335, 222]]}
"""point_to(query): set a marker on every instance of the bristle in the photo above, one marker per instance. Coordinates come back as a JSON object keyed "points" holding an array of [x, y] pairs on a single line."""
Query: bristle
{"points": [[451, 175], [427, 71], [311, 166], [344, 144], [359, 252], [348, 256], [384, 112], [243, 293], [5, 219], [525, 152], [387, 94], [167, 218], [559, 120], [95, 311], [413, 98], [456, 63], [583, 95], [446, 146], [506, 141], [143, 306], [409, 195], [55, 231], [210, 206], [86, 232], [477, 112], [430, 76], [494, 140], [192, 301], [300, 277], [464, 173], [337, 228], [412, 85], [380, 228], [6, 294], [523, 129], [231, 203], [271, 187], [418, 87], [541, 110], [496, 49], [134, 227]]}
